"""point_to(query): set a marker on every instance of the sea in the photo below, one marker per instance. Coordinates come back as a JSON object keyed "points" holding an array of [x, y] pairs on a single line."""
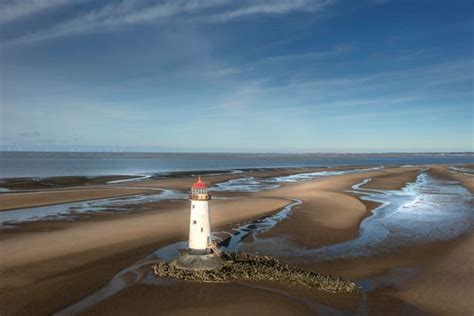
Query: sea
{"points": [[53, 164]]}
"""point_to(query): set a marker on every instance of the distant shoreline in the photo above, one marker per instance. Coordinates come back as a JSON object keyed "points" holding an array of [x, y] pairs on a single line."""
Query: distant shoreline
{"points": [[61, 164]]}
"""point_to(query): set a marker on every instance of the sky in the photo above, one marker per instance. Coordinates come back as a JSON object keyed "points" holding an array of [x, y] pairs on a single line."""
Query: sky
{"points": [[296, 76]]}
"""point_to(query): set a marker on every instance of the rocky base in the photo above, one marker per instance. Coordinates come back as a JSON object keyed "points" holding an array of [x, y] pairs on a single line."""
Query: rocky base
{"points": [[197, 262], [245, 267]]}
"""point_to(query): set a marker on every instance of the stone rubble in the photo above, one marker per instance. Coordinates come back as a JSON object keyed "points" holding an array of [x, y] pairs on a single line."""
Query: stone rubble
{"points": [[242, 266]]}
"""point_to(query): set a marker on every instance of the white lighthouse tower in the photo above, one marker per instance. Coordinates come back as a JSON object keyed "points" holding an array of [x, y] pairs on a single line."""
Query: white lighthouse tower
{"points": [[199, 221], [202, 253]]}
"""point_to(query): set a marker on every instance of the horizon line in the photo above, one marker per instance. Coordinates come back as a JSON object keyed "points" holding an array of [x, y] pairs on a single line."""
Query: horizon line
{"points": [[239, 153]]}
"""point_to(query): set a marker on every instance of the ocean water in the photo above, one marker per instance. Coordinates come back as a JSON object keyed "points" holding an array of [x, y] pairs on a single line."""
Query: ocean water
{"points": [[37, 164]]}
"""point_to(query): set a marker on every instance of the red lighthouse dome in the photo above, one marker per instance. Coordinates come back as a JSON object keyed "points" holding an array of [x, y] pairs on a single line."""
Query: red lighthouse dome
{"points": [[199, 184]]}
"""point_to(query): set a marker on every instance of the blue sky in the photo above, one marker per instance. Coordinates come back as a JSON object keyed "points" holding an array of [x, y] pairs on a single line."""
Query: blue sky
{"points": [[237, 76]]}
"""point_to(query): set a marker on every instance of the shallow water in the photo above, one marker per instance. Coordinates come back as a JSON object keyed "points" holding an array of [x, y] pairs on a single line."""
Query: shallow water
{"points": [[248, 184], [252, 184], [320, 174], [465, 171], [233, 242], [424, 211], [71, 211], [128, 180]]}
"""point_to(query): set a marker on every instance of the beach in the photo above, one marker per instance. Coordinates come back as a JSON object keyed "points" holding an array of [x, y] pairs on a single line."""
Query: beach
{"points": [[52, 264], [216, 157]]}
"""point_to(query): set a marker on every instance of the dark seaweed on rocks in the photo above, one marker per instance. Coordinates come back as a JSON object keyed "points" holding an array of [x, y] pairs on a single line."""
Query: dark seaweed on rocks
{"points": [[246, 267]]}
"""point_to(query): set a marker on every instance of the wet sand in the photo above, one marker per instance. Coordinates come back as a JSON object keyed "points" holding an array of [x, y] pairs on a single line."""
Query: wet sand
{"points": [[437, 277], [75, 190], [57, 182], [446, 285], [17, 200], [36, 260], [465, 179], [10, 201], [49, 270], [213, 298], [338, 213], [393, 179], [182, 298]]}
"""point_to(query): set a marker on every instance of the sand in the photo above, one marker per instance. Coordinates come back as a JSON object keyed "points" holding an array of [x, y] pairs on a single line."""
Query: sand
{"points": [[196, 299], [444, 172], [444, 278], [446, 285], [92, 235], [36, 259], [335, 213], [393, 179], [47, 270]]}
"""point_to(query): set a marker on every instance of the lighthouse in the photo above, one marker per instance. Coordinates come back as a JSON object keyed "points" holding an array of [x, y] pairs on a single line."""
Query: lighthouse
{"points": [[199, 220], [202, 253]]}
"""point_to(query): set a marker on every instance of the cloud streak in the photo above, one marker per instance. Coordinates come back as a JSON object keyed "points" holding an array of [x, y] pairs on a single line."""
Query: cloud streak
{"points": [[273, 7], [116, 14], [128, 12]]}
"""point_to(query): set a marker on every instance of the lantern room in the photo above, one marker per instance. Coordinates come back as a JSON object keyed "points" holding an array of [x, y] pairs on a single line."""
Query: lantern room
{"points": [[199, 191]]}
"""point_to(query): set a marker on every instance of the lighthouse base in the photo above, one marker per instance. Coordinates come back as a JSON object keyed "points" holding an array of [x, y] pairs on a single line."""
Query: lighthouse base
{"points": [[198, 262]]}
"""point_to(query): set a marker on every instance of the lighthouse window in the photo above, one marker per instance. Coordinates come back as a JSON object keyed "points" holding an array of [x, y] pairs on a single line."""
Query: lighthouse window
{"points": [[194, 206], [202, 229], [194, 222]]}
